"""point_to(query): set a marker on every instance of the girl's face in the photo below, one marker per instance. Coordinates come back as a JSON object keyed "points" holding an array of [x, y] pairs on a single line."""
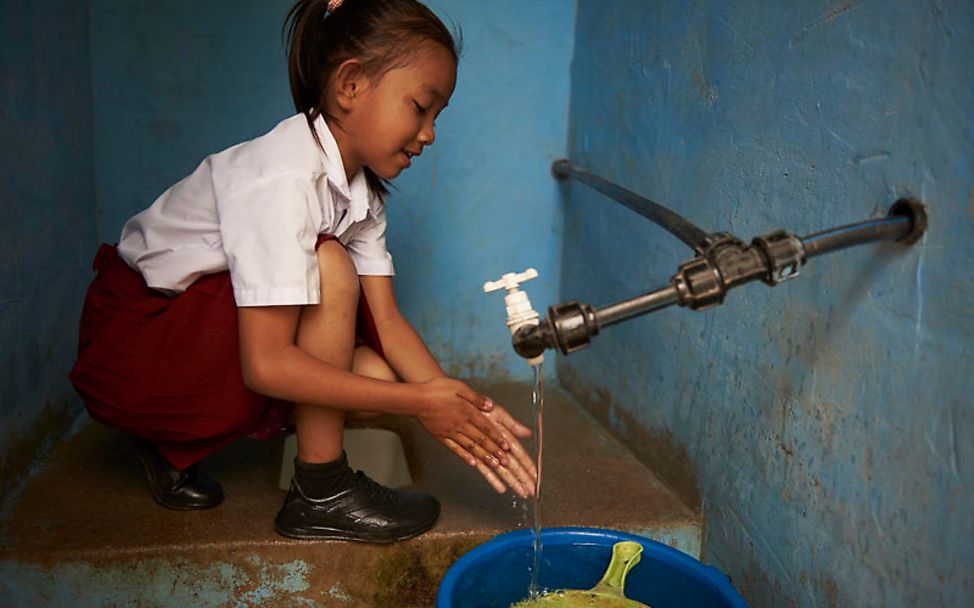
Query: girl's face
{"points": [[390, 121]]}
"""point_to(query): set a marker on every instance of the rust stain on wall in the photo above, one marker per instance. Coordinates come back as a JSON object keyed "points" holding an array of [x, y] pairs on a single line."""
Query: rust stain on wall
{"points": [[835, 10], [50, 425], [655, 448]]}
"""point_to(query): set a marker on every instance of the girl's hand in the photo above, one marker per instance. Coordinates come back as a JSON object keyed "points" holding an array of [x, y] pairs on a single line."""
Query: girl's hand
{"points": [[453, 413], [520, 473]]}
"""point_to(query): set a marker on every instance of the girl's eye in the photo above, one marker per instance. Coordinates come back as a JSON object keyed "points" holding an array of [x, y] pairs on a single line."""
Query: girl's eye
{"points": [[420, 108]]}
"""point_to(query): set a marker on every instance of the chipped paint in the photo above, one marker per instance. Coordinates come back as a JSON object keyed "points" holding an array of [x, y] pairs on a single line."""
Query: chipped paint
{"points": [[159, 582]]}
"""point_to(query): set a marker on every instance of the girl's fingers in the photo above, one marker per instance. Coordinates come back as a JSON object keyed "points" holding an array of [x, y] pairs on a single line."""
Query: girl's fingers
{"points": [[522, 487], [492, 479], [525, 460], [525, 472], [482, 403], [487, 427], [461, 453], [520, 462], [518, 429], [518, 478], [513, 481], [490, 444], [511, 423], [495, 431], [487, 436], [486, 403], [480, 453], [509, 426], [525, 467], [471, 453]]}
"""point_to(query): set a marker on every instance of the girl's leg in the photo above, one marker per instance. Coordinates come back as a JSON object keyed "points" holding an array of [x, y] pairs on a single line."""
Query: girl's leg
{"points": [[327, 500], [327, 331], [367, 362]]}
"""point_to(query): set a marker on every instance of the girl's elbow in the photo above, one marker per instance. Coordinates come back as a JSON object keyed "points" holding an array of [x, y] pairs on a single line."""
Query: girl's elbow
{"points": [[256, 376]]}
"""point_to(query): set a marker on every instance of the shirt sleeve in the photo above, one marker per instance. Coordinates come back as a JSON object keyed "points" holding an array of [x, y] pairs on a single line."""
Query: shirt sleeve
{"points": [[367, 248], [269, 230]]}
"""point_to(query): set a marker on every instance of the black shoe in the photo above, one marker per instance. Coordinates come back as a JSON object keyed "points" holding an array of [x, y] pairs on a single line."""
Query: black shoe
{"points": [[366, 512], [179, 489]]}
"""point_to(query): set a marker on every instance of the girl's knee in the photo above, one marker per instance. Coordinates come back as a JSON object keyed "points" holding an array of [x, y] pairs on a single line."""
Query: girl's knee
{"points": [[367, 362], [338, 276]]}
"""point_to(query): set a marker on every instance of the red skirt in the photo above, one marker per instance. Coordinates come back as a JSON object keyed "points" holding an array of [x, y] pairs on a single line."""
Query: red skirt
{"points": [[167, 369]]}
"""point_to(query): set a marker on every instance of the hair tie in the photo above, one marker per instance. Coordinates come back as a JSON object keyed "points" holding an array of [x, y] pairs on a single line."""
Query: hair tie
{"points": [[332, 6]]}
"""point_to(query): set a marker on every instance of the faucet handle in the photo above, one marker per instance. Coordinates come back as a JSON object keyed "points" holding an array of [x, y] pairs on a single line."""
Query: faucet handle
{"points": [[511, 280], [519, 311]]}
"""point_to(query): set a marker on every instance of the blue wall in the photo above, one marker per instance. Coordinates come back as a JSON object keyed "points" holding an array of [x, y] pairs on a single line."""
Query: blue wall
{"points": [[46, 223], [177, 80], [829, 420], [484, 203], [173, 82]]}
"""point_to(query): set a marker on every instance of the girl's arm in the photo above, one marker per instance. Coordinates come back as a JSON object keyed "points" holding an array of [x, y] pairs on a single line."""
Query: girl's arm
{"points": [[404, 350], [408, 355], [273, 365]]}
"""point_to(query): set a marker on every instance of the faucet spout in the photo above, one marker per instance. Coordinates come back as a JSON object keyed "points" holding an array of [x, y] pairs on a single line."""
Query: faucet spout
{"points": [[569, 327], [530, 341]]}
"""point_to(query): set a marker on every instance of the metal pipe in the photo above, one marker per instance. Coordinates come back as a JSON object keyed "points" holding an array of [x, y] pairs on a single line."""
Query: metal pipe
{"points": [[640, 305], [672, 222], [725, 264], [892, 228]]}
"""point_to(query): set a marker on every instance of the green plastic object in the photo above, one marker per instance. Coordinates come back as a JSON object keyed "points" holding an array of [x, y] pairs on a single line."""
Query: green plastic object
{"points": [[608, 593]]}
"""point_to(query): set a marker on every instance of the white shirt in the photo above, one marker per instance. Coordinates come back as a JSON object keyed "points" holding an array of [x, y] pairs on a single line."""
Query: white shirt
{"points": [[256, 209]]}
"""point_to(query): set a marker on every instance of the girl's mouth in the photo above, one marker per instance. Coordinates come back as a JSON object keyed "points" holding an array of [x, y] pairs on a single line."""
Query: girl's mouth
{"points": [[409, 156]]}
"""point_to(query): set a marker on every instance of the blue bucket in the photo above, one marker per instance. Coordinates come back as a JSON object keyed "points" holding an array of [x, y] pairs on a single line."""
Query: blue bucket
{"points": [[497, 573]]}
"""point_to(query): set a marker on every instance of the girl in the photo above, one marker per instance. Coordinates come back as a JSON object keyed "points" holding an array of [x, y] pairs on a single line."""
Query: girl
{"points": [[263, 279]]}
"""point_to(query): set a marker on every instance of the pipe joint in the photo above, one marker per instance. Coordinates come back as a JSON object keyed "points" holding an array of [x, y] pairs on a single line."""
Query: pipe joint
{"points": [[569, 327], [698, 284], [572, 324], [784, 253]]}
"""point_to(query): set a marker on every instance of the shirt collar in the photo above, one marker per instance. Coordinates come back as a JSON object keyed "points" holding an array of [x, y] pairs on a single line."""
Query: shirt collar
{"points": [[356, 195]]}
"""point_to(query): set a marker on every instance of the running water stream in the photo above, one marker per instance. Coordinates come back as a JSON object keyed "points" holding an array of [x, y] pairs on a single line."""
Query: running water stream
{"points": [[537, 400]]}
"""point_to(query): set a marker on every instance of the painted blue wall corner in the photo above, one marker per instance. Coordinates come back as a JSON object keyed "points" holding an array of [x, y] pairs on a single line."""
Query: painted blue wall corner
{"points": [[46, 224], [826, 421]]}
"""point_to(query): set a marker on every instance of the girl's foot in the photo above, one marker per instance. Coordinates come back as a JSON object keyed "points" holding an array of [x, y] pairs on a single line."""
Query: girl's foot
{"points": [[364, 511], [179, 489]]}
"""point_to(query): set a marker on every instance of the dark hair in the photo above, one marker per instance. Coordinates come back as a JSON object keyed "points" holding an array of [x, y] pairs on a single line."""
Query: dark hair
{"points": [[382, 34]]}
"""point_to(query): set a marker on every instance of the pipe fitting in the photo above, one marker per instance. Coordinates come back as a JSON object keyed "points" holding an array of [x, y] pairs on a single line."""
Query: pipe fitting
{"points": [[784, 253], [698, 284], [573, 324]]}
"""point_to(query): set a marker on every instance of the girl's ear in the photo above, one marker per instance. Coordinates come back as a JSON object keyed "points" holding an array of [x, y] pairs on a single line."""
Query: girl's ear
{"points": [[349, 82]]}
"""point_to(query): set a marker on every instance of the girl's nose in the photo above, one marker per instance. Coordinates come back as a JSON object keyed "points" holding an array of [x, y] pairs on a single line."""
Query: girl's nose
{"points": [[427, 135]]}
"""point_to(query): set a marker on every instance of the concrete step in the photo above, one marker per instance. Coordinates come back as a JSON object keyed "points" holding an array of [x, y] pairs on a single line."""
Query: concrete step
{"points": [[86, 533]]}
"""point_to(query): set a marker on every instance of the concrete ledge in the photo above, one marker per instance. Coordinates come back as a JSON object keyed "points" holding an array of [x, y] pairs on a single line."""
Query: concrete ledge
{"points": [[86, 533]]}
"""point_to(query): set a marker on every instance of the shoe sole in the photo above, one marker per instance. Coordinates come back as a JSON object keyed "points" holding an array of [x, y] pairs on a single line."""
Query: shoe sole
{"points": [[336, 534]]}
